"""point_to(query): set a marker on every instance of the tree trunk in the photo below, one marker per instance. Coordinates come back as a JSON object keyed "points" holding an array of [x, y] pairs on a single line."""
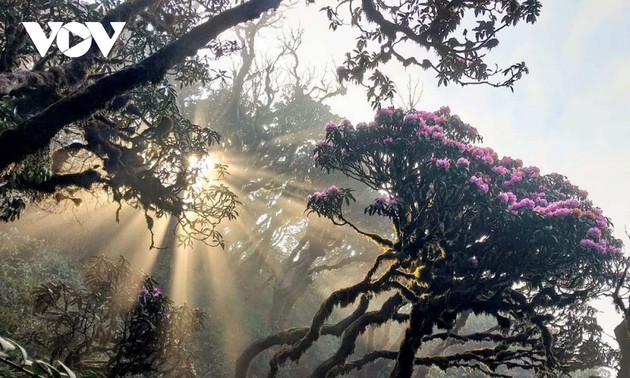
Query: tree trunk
{"points": [[623, 339]]}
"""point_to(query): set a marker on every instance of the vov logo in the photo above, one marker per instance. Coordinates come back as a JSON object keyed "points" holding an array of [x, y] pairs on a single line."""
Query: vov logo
{"points": [[89, 31]]}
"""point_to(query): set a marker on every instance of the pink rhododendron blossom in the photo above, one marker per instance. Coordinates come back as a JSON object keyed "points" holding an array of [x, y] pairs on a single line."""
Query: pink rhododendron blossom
{"points": [[594, 232], [532, 171], [144, 292], [563, 212], [316, 196], [508, 197], [156, 292], [541, 201], [443, 163], [386, 201], [438, 135], [500, 170], [524, 203], [463, 162], [346, 122], [516, 178], [613, 250], [331, 126], [332, 190], [445, 110], [388, 112], [411, 117], [480, 183], [388, 140]]}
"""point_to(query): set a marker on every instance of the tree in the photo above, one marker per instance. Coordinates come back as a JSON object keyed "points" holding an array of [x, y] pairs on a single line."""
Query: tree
{"points": [[112, 124], [472, 234]]}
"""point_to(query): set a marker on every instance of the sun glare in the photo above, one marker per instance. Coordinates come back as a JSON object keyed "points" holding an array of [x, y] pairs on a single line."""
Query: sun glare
{"points": [[203, 169]]}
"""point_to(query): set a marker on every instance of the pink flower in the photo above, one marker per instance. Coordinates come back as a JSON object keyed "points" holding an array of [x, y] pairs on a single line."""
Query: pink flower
{"points": [[524, 203], [488, 159], [156, 292], [500, 170], [594, 232], [438, 135], [388, 140], [346, 122], [587, 243], [463, 162], [480, 183], [316, 196], [443, 163], [332, 190], [411, 117], [508, 197], [331, 126], [613, 250], [445, 110], [144, 292], [386, 201], [516, 178], [387, 112], [559, 213]]}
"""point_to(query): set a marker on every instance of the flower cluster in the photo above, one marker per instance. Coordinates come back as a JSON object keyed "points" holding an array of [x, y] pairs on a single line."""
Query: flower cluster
{"points": [[321, 196], [442, 163], [480, 182], [154, 292], [386, 201]]}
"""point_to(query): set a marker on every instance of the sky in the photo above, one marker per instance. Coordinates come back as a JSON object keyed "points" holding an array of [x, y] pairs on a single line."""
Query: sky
{"points": [[569, 115]]}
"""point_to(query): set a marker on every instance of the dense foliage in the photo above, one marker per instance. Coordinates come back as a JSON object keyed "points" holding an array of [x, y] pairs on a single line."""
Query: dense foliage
{"points": [[118, 324], [473, 233]]}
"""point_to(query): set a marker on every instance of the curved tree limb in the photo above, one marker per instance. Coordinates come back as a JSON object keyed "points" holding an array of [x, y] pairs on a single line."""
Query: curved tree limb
{"points": [[293, 335]]}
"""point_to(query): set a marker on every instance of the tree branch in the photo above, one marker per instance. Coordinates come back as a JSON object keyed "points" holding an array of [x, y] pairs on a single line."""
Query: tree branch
{"points": [[37, 132]]}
